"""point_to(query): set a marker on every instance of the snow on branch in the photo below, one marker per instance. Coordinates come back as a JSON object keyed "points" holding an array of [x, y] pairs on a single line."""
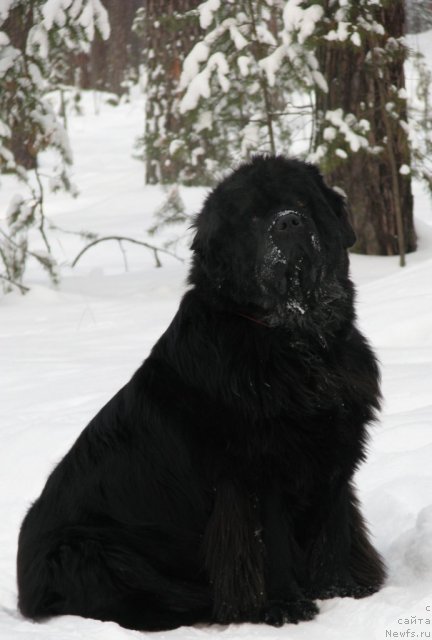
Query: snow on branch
{"points": [[300, 20], [29, 125], [89, 14]]}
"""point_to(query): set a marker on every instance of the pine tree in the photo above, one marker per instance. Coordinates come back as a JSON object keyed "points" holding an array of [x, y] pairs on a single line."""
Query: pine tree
{"points": [[337, 66], [32, 33], [168, 29], [240, 79]]}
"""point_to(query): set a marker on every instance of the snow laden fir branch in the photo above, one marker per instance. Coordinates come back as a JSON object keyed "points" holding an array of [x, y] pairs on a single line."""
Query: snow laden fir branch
{"points": [[244, 78], [251, 82], [256, 48], [32, 38]]}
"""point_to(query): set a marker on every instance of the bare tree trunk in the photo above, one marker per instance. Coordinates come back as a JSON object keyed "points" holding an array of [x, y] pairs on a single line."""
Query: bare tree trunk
{"points": [[361, 83]]}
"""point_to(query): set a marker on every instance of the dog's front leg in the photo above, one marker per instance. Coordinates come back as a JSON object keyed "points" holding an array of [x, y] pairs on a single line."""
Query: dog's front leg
{"points": [[234, 554], [342, 560], [285, 566]]}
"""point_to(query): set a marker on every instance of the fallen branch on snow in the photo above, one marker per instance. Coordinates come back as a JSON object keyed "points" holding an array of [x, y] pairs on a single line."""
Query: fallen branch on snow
{"points": [[120, 239]]}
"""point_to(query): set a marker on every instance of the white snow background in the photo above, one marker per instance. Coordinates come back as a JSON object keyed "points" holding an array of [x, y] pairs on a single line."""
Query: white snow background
{"points": [[64, 352]]}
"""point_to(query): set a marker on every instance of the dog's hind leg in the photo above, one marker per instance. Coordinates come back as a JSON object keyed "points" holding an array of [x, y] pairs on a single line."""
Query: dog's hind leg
{"points": [[93, 575]]}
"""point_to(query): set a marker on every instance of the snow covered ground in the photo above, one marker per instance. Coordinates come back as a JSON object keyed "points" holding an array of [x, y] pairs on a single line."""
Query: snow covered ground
{"points": [[65, 351]]}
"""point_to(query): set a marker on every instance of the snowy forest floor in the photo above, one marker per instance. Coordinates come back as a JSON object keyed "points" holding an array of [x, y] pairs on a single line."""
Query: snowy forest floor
{"points": [[65, 351]]}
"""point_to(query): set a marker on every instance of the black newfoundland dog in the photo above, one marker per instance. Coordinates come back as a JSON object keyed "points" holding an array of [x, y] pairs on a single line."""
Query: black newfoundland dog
{"points": [[216, 486]]}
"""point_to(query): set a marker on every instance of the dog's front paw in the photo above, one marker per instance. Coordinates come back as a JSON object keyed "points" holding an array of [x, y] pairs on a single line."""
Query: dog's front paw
{"points": [[278, 612], [350, 590], [359, 591]]}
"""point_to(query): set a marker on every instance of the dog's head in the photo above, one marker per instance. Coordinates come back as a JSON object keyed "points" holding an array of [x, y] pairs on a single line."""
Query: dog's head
{"points": [[272, 239]]}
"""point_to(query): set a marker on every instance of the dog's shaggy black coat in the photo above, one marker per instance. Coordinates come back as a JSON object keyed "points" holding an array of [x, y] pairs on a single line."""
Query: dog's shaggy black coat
{"points": [[216, 485]]}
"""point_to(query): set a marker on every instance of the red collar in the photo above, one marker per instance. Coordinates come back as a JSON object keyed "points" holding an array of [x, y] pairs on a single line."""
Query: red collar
{"points": [[252, 319]]}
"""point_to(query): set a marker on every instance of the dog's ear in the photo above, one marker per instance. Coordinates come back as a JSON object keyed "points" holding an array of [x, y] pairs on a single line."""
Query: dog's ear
{"points": [[209, 252], [338, 204], [206, 226]]}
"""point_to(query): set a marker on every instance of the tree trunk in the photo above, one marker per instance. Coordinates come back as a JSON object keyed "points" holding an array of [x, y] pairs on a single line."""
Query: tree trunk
{"points": [[169, 35], [22, 143], [360, 82], [107, 64], [110, 59]]}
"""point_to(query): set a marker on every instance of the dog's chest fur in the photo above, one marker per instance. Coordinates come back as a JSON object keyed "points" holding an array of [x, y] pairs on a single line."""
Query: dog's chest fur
{"points": [[296, 412], [289, 414]]}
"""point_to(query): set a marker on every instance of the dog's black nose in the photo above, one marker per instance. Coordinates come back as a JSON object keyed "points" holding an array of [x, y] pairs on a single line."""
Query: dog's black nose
{"points": [[288, 221]]}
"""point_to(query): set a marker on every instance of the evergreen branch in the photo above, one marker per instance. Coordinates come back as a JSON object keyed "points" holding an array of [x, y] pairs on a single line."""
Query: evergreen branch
{"points": [[88, 235], [263, 82], [18, 285], [39, 202], [36, 256]]}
